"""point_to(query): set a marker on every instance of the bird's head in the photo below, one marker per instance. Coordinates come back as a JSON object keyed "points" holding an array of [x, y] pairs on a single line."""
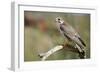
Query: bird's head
{"points": [[59, 20]]}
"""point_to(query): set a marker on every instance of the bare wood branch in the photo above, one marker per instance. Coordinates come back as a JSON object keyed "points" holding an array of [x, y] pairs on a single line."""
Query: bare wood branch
{"points": [[66, 46], [53, 50]]}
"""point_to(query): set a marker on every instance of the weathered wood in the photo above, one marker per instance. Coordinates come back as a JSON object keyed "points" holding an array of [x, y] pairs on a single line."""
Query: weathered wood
{"points": [[66, 46]]}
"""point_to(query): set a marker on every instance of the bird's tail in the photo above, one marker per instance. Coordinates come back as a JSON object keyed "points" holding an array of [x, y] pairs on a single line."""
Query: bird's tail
{"points": [[82, 55], [81, 52]]}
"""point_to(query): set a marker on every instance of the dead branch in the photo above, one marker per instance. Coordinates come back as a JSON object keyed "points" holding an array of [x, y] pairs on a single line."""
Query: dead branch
{"points": [[68, 47]]}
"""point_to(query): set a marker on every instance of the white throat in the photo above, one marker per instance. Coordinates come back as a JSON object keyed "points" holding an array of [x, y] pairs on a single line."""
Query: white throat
{"points": [[61, 22]]}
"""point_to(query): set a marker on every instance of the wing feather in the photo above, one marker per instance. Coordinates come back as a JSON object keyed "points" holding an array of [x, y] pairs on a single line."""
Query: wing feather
{"points": [[71, 34]]}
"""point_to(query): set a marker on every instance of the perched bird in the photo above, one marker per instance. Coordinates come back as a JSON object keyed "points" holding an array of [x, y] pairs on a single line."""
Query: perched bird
{"points": [[71, 35]]}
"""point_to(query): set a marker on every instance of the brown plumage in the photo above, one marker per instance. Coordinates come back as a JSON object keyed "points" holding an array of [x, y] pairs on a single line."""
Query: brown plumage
{"points": [[70, 34]]}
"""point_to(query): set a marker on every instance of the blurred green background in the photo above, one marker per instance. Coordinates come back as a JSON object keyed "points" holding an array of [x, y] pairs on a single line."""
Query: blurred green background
{"points": [[40, 36]]}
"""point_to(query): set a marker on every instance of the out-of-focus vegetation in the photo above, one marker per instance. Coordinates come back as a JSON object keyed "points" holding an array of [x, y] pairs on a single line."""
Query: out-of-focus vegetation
{"points": [[42, 35]]}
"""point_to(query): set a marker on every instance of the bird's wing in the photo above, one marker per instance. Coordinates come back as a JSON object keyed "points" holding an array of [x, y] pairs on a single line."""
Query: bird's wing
{"points": [[82, 41], [68, 30], [70, 33]]}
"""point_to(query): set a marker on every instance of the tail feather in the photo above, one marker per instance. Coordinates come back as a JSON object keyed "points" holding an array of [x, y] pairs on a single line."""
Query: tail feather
{"points": [[82, 55], [81, 52]]}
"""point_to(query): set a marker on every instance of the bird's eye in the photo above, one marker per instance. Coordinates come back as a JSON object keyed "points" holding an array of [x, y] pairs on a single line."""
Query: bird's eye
{"points": [[58, 18]]}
